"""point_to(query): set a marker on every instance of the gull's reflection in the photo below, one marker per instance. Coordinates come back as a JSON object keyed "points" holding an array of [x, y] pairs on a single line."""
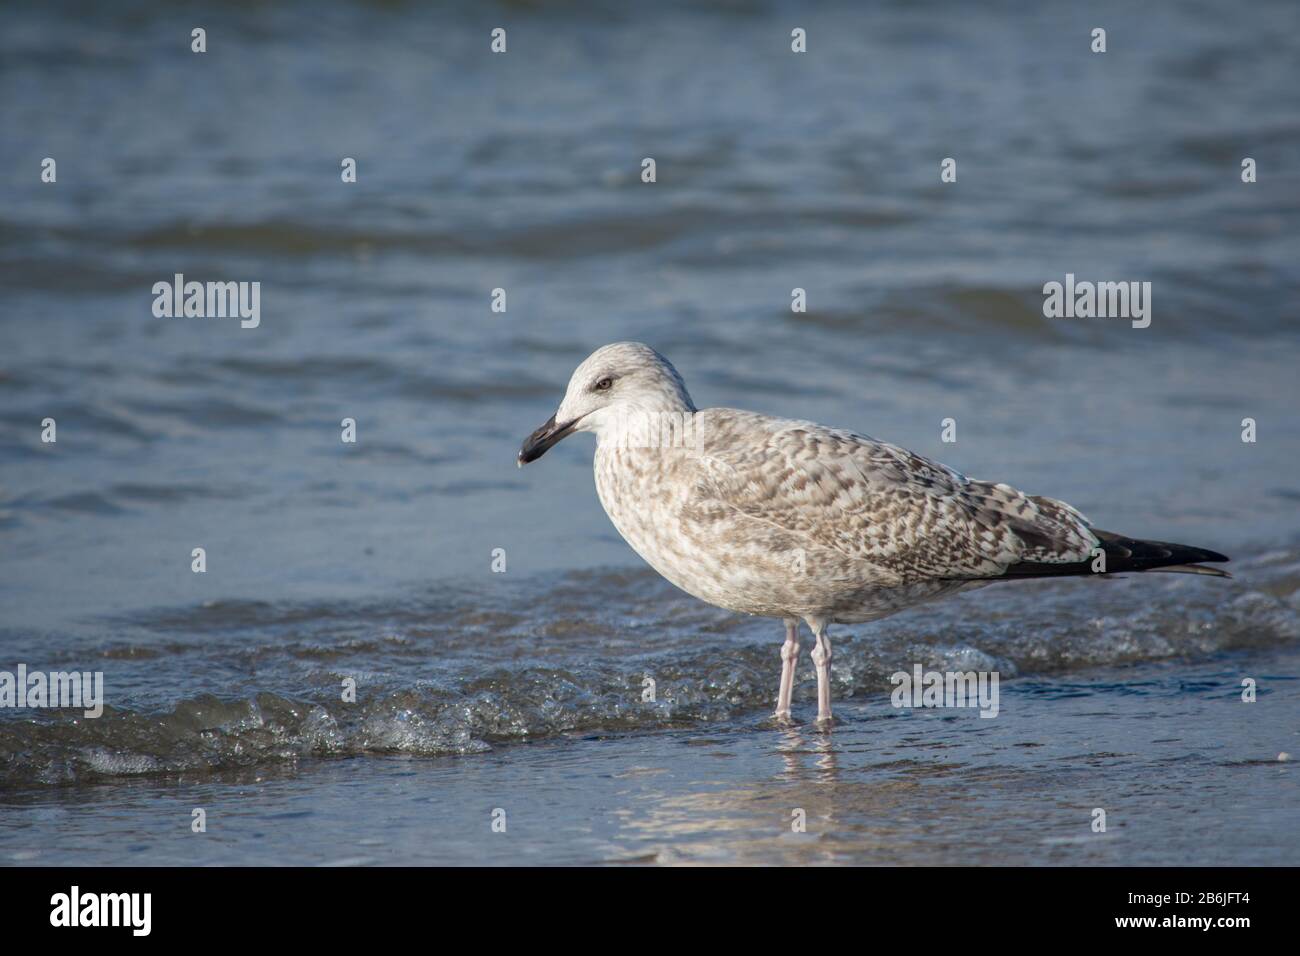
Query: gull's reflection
{"points": [[796, 747]]}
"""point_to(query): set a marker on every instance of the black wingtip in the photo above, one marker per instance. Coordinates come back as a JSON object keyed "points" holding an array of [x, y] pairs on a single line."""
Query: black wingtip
{"points": [[1128, 555], [1135, 554]]}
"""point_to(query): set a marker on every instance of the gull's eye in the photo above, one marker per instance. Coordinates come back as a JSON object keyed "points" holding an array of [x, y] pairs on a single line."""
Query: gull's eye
{"points": [[604, 384]]}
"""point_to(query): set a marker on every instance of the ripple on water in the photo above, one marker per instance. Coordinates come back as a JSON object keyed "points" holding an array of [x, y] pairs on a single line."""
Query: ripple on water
{"points": [[492, 672]]}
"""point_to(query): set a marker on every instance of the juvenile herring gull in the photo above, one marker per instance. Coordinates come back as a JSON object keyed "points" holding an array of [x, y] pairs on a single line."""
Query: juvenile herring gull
{"points": [[794, 520]]}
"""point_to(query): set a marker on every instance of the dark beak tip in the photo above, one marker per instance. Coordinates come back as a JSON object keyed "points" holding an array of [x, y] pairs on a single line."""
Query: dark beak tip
{"points": [[536, 444]]}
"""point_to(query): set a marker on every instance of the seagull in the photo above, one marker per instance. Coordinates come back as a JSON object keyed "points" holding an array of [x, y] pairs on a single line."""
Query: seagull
{"points": [[793, 520]]}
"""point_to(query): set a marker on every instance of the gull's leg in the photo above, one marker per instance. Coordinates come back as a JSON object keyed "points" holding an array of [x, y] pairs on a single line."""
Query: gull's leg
{"points": [[789, 660], [821, 655]]}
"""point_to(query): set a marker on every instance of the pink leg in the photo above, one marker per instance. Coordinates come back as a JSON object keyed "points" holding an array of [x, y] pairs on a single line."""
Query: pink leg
{"points": [[821, 656], [789, 660]]}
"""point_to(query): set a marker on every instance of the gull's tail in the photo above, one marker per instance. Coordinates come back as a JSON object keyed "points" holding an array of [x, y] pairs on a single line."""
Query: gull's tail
{"points": [[1127, 554]]}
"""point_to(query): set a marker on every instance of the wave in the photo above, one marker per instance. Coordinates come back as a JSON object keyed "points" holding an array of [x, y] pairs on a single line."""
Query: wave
{"points": [[445, 672]]}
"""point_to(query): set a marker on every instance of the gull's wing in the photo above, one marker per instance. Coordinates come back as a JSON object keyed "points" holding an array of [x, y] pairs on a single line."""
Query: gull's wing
{"points": [[911, 518]]}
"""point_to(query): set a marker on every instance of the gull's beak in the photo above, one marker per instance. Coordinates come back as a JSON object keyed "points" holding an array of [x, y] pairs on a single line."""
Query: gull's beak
{"points": [[537, 444]]}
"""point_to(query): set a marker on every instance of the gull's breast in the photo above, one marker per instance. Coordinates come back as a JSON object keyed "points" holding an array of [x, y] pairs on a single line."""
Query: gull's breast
{"points": [[638, 490]]}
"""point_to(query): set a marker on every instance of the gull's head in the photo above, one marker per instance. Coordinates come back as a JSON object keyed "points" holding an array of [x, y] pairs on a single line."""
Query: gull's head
{"points": [[614, 383]]}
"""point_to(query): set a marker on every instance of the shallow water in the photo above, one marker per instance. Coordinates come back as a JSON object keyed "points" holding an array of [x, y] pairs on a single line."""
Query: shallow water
{"points": [[373, 562], [1184, 771]]}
